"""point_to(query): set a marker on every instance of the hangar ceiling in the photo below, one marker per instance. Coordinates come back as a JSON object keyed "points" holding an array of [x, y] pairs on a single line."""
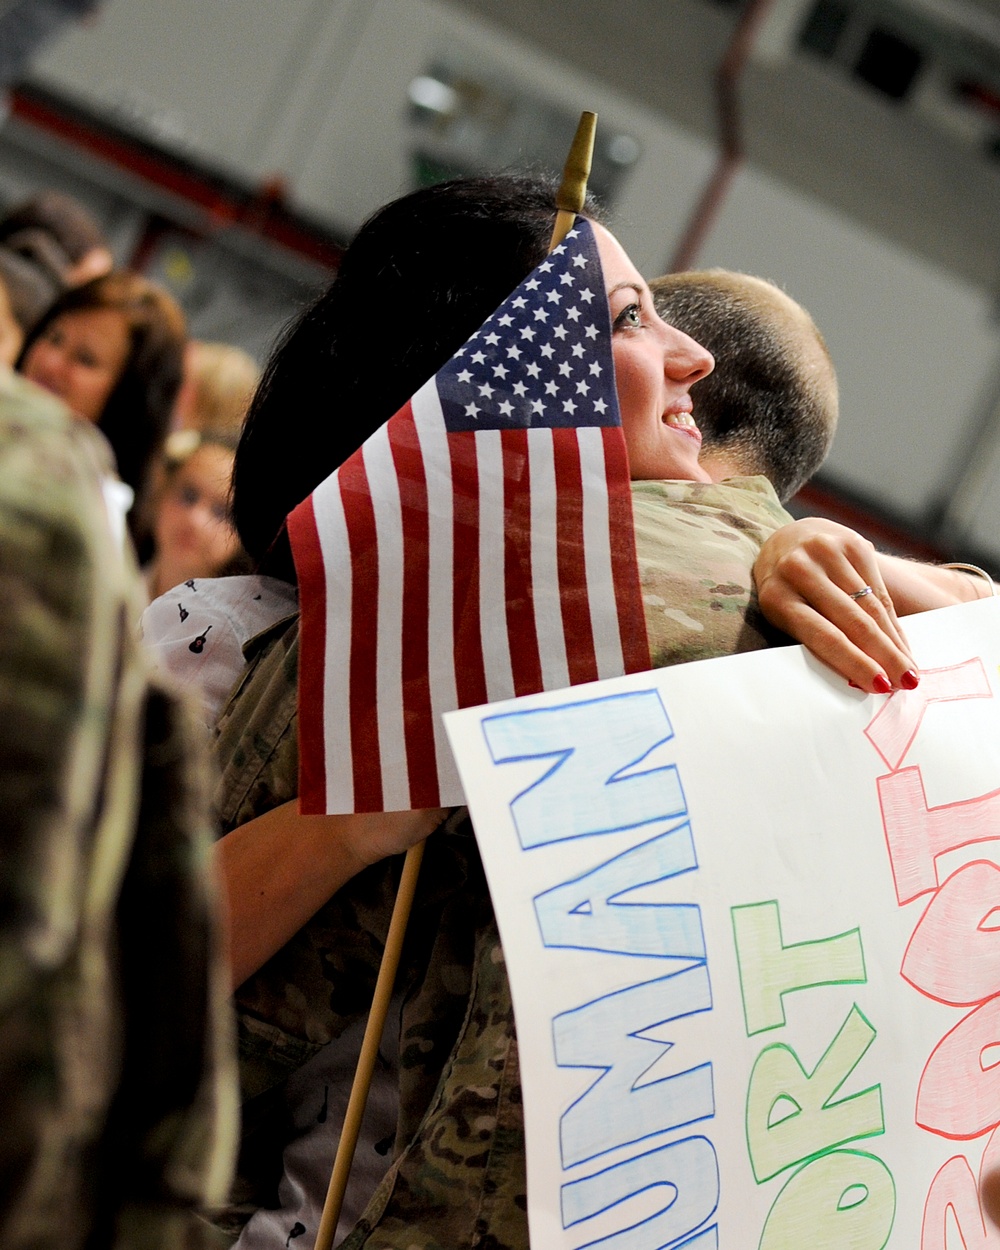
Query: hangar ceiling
{"points": [[922, 167]]}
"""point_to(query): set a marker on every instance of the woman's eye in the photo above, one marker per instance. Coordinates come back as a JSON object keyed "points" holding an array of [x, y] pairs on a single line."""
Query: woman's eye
{"points": [[629, 318], [188, 495]]}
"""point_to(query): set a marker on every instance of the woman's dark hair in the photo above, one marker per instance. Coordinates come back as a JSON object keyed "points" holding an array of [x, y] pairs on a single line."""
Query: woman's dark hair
{"points": [[137, 413], [420, 276]]}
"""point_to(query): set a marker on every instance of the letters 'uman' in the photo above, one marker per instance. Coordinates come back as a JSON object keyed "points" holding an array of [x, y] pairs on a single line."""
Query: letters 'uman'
{"points": [[594, 782]]}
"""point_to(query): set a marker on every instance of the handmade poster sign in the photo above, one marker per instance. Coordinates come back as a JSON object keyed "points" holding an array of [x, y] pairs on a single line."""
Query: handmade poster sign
{"points": [[752, 923]]}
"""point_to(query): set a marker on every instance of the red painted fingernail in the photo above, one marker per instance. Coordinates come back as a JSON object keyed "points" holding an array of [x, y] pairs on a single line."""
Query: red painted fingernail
{"points": [[854, 685], [881, 683], [909, 680]]}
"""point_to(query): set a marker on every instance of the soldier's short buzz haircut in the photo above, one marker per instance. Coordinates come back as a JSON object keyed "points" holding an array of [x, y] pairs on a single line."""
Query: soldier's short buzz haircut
{"points": [[770, 406]]}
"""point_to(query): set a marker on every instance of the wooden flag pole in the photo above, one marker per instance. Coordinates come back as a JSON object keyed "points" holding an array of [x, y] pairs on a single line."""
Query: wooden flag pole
{"points": [[369, 1048], [572, 192], [569, 202]]}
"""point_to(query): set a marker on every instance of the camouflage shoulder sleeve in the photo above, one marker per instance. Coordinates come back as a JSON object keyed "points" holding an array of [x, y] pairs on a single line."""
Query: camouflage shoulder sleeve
{"points": [[121, 1116], [696, 544]]}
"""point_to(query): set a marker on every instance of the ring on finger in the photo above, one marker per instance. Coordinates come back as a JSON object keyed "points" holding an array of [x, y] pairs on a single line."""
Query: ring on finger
{"points": [[860, 594]]}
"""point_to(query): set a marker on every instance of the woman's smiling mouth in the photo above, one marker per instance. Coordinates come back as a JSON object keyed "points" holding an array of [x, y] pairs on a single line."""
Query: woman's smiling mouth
{"points": [[684, 422]]}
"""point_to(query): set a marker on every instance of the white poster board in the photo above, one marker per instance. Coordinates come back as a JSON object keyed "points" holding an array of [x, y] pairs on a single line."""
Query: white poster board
{"points": [[748, 917]]}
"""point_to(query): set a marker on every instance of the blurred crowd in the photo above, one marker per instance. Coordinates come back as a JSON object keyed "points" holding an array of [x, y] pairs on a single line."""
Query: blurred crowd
{"points": [[113, 346]]}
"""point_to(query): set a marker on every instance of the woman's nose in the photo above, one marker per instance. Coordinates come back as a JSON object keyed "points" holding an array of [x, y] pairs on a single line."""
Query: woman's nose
{"points": [[686, 360]]}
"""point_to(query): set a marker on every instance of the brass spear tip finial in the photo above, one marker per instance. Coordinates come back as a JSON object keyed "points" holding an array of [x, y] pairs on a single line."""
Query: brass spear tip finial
{"points": [[572, 192]]}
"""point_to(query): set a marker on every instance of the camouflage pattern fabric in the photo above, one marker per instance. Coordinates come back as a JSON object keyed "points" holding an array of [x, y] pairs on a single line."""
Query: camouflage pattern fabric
{"points": [[118, 1094], [696, 543], [458, 1175]]}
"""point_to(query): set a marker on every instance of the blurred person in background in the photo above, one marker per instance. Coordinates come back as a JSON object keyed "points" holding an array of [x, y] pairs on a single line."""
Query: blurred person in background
{"points": [[113, 351], [42, 255], [118, 1097], [218, 384], [193, 534], [76, 245], [11, 331], [31, 289], [11, 336]]}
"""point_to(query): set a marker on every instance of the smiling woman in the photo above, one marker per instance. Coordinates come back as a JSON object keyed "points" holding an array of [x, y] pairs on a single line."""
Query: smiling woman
{"points": [[112, 350], [80, 357], [655, 367]]}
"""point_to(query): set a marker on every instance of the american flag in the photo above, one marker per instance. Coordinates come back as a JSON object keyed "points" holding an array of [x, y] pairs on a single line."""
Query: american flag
{"points": [[477, 547]]}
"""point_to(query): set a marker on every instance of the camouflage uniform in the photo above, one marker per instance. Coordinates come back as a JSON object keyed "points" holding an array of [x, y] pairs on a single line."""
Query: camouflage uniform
{"points": [[118, 1100], [695, 562], [458, 1177]]}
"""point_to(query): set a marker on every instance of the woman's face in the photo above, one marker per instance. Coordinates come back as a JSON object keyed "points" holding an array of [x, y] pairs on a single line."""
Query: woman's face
{"points": [[194, 536], [80, 356], [655, 368]]}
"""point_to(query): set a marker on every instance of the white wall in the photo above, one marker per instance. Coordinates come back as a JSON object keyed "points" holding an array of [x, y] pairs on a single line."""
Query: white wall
{"points": [[912, 345], [317, 90]]}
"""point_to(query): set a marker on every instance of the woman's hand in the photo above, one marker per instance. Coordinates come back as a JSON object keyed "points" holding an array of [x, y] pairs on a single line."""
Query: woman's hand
{"points": [[807, 575], [278, 870]]}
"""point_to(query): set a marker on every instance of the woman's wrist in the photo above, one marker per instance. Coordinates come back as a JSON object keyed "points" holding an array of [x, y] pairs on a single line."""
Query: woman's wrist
{"points": [[976, 582]]}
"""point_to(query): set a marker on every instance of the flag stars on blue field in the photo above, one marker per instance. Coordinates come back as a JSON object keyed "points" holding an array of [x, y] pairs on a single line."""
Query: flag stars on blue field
{"points": [[543, 358]]}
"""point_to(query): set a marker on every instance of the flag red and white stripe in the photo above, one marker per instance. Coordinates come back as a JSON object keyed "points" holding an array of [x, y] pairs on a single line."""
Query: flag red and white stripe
{"points": [[462, 557]]}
